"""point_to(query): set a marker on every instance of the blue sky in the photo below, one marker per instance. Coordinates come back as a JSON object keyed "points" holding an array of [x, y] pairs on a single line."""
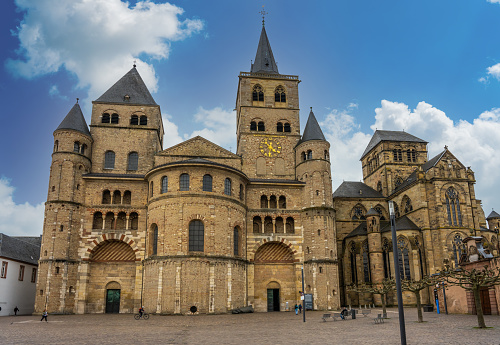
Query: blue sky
{"points": [[431, 68]]}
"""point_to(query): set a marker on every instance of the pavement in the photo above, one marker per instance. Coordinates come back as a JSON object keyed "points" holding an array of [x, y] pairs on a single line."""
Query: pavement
{"points": [[256, 328]]}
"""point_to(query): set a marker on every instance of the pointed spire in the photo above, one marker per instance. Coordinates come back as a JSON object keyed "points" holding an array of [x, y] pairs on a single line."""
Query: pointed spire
{"points": [[264, 59], [130, 89], [493, 214], [313, 130], [75, 121]]}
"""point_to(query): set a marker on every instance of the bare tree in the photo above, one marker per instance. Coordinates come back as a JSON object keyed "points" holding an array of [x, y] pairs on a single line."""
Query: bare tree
{"points": [[473, 280], [416, 286], [382, 289]]}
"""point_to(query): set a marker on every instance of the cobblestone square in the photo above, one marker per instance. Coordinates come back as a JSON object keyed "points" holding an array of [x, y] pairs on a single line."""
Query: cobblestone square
{"points": [[257, 328]]}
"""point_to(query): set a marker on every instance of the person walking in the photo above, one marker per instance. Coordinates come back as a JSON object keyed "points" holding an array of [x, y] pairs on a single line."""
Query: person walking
{"points": [[44, 315], [16, 309], [296, 309], [300, 308]]}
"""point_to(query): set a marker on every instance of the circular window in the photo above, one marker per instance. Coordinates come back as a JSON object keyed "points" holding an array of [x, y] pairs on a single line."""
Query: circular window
{"points": [[193, 309]]}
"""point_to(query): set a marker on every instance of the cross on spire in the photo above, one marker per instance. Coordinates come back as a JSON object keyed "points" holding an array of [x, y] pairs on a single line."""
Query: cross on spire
{"points": [[263, 15]]}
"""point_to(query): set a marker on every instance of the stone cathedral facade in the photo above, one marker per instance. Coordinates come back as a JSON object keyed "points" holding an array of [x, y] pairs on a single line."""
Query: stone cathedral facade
{"points": [[195, 228]]}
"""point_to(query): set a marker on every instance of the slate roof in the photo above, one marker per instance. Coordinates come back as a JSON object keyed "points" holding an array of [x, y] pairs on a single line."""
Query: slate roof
{"points": [[482, 228], [493, 214], [262, 180], [351, 189], [132, 85], [360, 230], [371, 212], [75, 120], [264, 59], [433, 161], [313, 130], [380, 136], [25, 249], [402, 223]]}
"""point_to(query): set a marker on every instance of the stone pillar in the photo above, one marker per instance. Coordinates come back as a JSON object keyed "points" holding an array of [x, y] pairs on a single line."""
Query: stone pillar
{"points": [[81, 287], [375, 251]]}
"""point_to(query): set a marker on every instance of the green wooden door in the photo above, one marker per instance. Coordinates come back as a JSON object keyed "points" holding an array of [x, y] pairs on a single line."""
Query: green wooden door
{"points": [[113, 301]]}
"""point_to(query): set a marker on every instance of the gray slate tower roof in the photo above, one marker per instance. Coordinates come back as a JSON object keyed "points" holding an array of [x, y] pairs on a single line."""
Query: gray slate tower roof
{"points": [[264, 59], [493, 214], [130, 89], [380, 135], [75, 120], [313, 130]]}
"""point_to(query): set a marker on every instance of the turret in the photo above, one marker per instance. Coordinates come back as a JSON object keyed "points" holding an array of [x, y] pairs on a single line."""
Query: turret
{"points": [[493, 221], [375, 249]]}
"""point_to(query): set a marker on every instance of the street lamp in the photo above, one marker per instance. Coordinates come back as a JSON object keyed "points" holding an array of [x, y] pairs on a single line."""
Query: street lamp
{"points": [[402, 330]]}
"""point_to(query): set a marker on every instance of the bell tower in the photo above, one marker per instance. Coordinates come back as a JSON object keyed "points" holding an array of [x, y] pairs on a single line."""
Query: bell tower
{"points": [[268, 125]]}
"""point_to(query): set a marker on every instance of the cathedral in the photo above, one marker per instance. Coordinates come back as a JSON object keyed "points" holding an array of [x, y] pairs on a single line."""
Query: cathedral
{"points": [[195, 228]]}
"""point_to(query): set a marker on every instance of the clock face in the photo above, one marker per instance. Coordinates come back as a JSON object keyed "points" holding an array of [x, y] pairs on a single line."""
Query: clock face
{"points": [[270, 147]]}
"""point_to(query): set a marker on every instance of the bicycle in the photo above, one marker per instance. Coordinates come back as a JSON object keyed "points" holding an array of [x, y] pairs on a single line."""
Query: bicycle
{"points": [[145, 316]]}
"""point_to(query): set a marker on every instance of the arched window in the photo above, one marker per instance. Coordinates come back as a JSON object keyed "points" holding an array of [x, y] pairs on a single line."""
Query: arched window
{"points": [[184, 182], [83, 148], [121, 221], [453, 207], [352, 254], [420, 257], [386, 249], [327, 155], [272, 202], [411, 155], [380, 211], [143, 120], [134, 221], [287, 127], [151, 191], [164, 184], [398, 182], [407, 204], [207, 183], [397, 155], [358, 213], [76, 147], [257, 94], [227, 186], [196, 236], [253, 126], [133, 161], [242, 192], [279, 127], [366, 262], [106, 197], [379, 187], [458, 248], [114, 118], [257, 225], [279, 225], [279, 94], [134, 120], [56, 145], [127, 197], [268, 225], [282, 202], [261, 127], [263, 202], [117, 197], [396, 210], [109, 160], [403, 259], [155, 239], [105, 118], [97, 222], [290, 225], [109, 221], [304, 157], [309, 154], [236, 241]]}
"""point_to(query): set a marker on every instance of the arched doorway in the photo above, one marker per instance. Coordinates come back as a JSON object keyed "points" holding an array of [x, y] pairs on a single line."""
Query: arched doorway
{"points": [[275, 278], [113, 290], [273, 296]]}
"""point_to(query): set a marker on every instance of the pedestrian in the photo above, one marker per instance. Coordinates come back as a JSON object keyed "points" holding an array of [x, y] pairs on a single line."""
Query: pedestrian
{"points": [[44, 315], [296, 309], [300, 308], [16, 309], [343, 313]]}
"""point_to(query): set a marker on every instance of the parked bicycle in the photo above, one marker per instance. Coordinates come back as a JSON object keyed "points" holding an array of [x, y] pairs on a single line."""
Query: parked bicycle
{"points": [[144, 316]]}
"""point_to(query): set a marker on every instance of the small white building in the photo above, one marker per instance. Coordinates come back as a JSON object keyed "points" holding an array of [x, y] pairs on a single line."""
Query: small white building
{"points": [[18, 273]]}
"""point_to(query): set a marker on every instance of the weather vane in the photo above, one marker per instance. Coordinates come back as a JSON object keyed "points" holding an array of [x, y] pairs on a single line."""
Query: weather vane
{"points": [[263, 15], [135, 63]]}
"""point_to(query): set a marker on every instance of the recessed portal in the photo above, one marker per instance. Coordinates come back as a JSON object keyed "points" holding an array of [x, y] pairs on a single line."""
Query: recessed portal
{"points": [[113, 301], [273, 299]]}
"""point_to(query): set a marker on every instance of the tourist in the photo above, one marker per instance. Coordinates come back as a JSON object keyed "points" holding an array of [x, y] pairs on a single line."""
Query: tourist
{"points": [[300, 308], [44, 315], [16, 309], [343, 313], [296, 309]]}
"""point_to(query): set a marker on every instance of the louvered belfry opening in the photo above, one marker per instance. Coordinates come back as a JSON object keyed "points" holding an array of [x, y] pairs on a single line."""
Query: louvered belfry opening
{"points": [[112, 250], [276, 252]]}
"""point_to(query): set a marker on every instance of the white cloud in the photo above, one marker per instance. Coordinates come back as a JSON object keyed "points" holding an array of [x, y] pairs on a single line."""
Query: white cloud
{"points": [[54, 92], [18, 219], [171, 136], [347, 144], [493, 71], [220, 126], [96, 40], [494, 1]]}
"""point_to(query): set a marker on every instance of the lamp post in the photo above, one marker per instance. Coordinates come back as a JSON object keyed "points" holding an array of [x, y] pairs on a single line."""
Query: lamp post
{"points": [[444, 298], [402, 329], [303, 296]]}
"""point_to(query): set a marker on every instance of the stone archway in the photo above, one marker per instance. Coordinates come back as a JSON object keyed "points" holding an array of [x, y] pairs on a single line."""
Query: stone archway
{"points": [[275, 277]]}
